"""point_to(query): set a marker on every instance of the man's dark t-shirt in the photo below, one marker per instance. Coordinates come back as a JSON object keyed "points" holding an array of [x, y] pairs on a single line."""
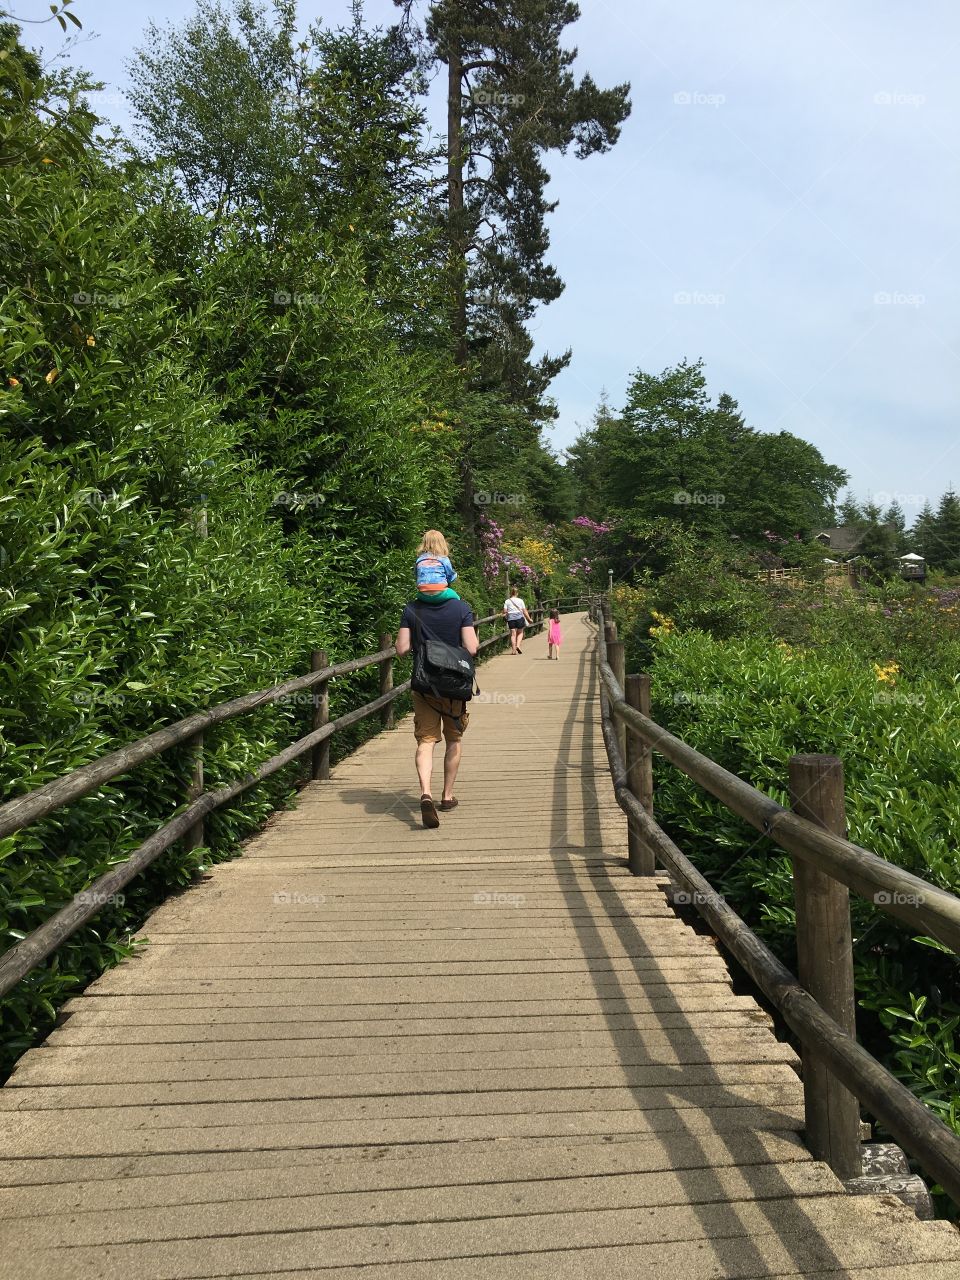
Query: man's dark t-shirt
{"points": [[438, 621]]}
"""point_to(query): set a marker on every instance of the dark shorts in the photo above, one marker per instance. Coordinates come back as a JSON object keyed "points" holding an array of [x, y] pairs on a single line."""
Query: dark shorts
{"points": [[515, 624]]}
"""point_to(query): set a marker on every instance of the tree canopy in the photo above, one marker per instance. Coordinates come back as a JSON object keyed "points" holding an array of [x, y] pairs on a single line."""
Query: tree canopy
{"points": [[673, 453]]}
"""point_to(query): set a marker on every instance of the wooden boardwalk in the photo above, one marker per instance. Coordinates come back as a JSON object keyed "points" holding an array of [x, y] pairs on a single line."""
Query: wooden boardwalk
{"points": [[369, 1050]]}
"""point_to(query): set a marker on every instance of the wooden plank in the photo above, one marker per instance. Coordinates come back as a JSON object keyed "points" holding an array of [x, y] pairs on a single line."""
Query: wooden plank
{"points": [[303, 1173], [837, 1231]]}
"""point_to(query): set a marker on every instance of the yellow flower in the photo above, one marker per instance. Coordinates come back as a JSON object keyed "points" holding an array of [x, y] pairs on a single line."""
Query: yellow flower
{"points": [[51, 376], [664, 626], [887, 673], [46, 160], [91, 340], [13, 382]]}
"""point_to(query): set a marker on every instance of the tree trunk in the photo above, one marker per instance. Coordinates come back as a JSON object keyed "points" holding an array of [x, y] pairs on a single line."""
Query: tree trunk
{"points": [[455, 205], [457, 248]]}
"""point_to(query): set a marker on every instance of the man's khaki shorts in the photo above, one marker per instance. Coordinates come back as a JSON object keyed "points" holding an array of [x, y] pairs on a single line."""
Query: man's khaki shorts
{"points": [[436, 717]]}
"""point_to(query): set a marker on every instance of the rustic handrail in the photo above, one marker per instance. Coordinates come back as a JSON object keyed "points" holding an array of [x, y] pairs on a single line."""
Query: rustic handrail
{"points": [[25, 955], [912, 899], [931, 1142], [24, 810]]}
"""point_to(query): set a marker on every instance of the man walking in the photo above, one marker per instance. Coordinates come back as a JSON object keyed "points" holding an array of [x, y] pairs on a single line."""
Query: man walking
{"points": [[451, 622]]}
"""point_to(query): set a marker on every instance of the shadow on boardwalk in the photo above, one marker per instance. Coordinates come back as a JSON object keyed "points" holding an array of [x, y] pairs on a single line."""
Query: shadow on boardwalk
{"points": [[729, 1235]]}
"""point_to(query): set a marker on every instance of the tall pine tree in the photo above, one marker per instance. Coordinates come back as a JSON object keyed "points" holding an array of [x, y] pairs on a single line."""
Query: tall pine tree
{"points": [[946, 529], [511, 98], [895, 518], [923, 534]]}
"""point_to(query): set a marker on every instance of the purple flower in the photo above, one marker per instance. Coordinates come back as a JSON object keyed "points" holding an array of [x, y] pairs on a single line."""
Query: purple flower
{"points": [[584, 522]]}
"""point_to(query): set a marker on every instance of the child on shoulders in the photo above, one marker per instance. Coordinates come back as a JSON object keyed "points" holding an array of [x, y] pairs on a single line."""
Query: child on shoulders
{"points": [[434, 570]]}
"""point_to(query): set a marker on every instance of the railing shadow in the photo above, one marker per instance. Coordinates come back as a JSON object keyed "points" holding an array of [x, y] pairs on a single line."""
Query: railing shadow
{"points": [[733, 1246]]}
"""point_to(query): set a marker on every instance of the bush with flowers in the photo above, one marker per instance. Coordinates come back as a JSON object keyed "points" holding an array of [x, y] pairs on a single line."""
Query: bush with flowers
{"points": [[586, 550], [562, 558]]}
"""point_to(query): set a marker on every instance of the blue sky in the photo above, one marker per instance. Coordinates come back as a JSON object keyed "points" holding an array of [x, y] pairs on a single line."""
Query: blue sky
{"points": [[782, 203]]}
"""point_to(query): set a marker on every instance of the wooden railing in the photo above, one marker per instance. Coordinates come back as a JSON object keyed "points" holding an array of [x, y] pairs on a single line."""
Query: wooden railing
{"points": [[819, 1005], [804, 576], [188, 825]]}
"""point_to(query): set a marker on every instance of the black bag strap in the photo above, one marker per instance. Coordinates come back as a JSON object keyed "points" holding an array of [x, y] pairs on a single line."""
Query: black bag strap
{"points": [[419, 641]]}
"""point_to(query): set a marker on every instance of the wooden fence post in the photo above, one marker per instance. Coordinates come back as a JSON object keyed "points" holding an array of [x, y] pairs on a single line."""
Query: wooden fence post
{"points": [[195, 790], [320, 755], [615, 658], [825, 964], [610, 640], [639, 759], [386, 681]]}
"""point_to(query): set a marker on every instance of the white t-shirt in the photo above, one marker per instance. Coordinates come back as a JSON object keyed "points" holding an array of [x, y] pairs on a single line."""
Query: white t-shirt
{"points": [[514, 607]]}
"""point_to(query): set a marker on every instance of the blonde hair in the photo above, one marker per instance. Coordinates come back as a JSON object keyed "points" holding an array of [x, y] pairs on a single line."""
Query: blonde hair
{"points": [[433, 543]]}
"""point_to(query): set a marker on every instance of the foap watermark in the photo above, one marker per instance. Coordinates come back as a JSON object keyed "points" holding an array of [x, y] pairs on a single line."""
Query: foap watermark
{"points": [[303, 100], [898, 697], [501, 699], [495, 898], [98, 498], [494, 98], [283, 299], [897, 98], [297, 498], [290, 897], [686, 498], [894, 898], [697, 98], [698, 298], [683, 898], [886, 498], [897, 298], [93, 898], [493, 498], [84, 299], [299, 698], [99, 98], [685, 698], [99, 697]]}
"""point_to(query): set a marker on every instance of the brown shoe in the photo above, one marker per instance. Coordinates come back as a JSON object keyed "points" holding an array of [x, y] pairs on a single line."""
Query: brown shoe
{"points": [[449, 804], [428, 812]]}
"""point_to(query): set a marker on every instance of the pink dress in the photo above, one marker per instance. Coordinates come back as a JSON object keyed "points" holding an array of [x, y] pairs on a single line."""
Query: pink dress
{"points": [[554, 635]]}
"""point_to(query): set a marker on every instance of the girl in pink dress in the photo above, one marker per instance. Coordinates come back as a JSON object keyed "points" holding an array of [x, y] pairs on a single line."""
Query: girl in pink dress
{"points": [[554, 636]]}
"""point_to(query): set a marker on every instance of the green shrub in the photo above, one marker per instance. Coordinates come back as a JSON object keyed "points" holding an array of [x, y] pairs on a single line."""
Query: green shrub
{"points": [[199, 487], [750, 704]]}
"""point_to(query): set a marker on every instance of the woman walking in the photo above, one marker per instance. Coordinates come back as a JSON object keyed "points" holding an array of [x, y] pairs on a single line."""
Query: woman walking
{"points": [[515, 612]]}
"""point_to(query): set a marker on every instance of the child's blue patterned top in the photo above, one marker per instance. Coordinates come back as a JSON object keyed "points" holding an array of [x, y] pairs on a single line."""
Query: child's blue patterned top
{"points": [[434, 571]]}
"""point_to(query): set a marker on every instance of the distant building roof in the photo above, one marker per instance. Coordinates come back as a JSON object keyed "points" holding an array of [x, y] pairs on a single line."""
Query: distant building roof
{"points": [[844, 538]]}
